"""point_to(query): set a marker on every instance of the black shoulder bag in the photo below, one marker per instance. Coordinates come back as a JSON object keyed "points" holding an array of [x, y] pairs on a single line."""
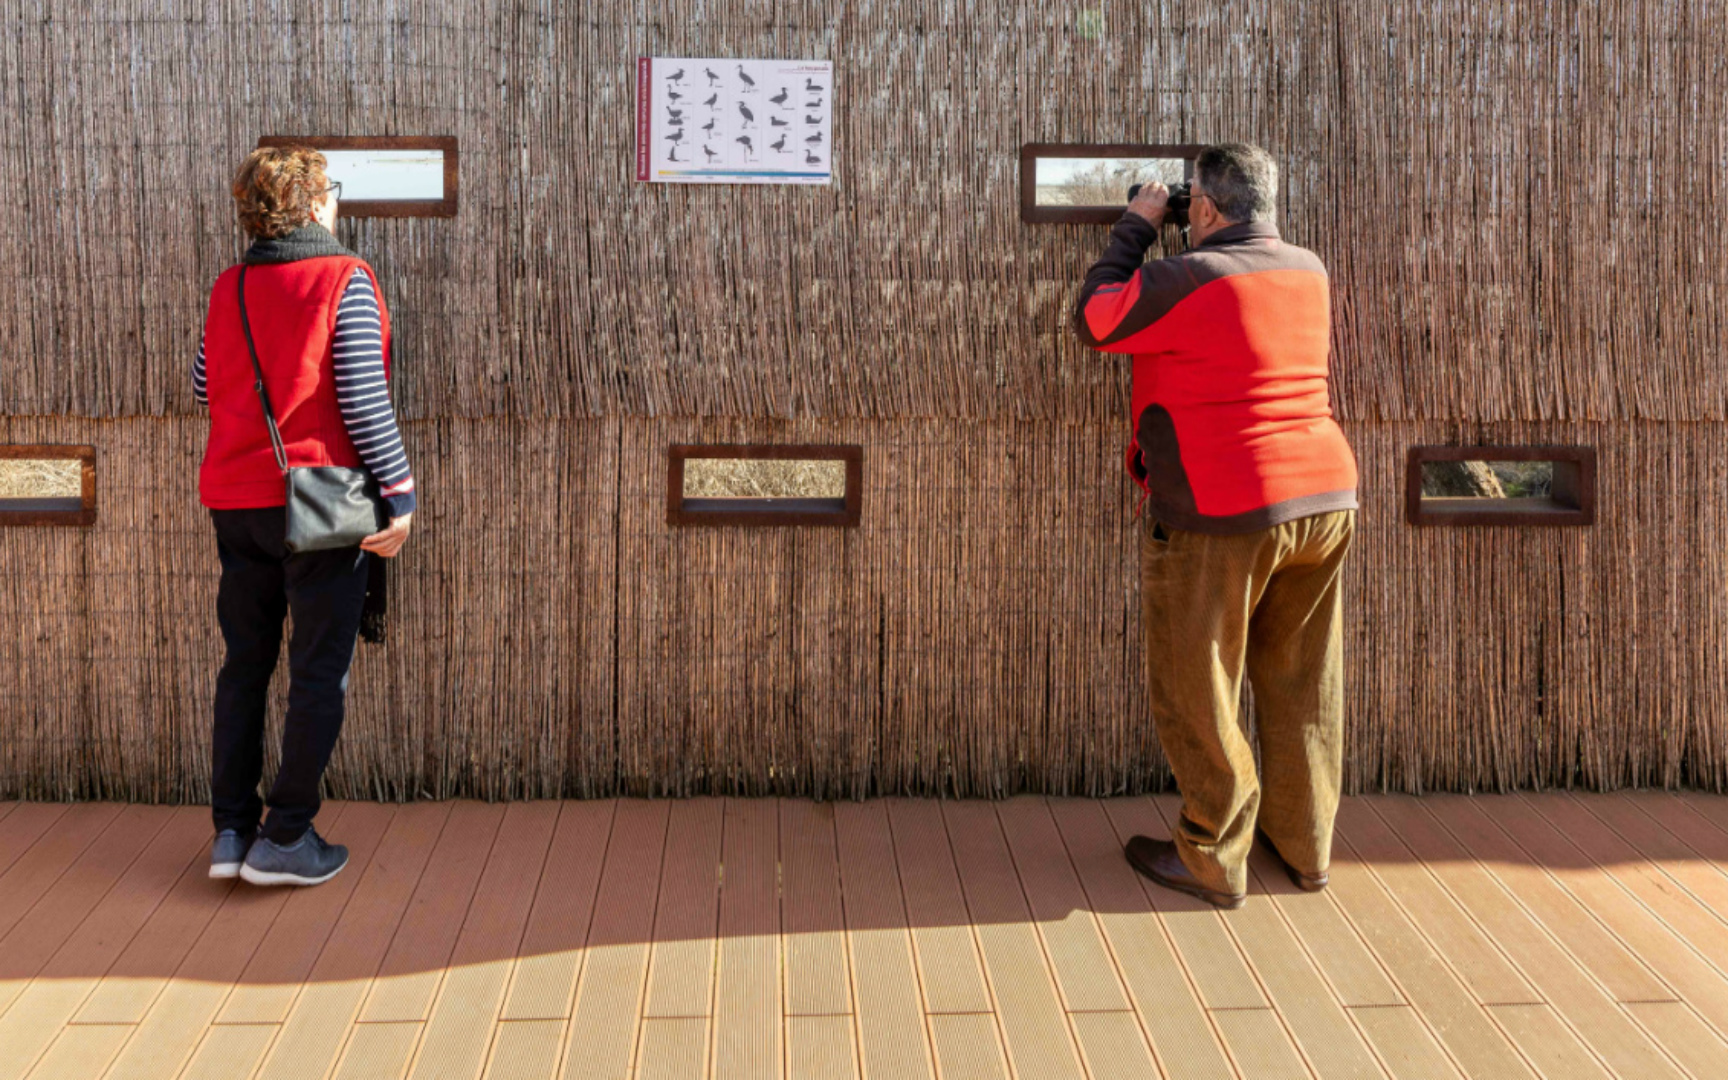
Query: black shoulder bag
{"points": [[328, 506]]}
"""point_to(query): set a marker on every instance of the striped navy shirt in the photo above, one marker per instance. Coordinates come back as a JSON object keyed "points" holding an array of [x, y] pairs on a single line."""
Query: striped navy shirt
{"points": [[361, 392]]}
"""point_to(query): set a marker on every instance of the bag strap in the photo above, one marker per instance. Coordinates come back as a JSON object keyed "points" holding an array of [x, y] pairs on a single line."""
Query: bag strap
{"points": [[258, 383]]}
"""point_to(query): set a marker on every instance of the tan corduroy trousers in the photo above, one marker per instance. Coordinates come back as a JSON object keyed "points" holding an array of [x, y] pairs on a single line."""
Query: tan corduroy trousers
{"points": [[1267, 604]]}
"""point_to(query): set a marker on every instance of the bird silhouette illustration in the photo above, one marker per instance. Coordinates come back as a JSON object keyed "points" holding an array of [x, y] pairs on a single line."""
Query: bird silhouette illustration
{"points": [[711, 154], [709, 126], [673, 95], [817, 104], [814, 139], [780, 98], [749, 83], [812, 119], [674, 116], [676, 136], [712, 98], [676, 76], [748, 115], [672, 154], [775, 121], [811, 87], [779, 145], [811, 159], [748, 147], [713, 79]]}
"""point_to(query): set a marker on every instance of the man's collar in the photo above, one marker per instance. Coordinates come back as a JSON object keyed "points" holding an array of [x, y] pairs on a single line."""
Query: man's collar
{"points": [[1242, 230]]}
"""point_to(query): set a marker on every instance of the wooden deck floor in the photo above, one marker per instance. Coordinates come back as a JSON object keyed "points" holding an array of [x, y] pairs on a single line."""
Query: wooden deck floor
{"points": [[1553, 935]]}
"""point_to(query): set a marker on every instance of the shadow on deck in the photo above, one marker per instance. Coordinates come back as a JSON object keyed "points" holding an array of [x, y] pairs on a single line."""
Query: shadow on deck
{"points": [[1546, 935]]}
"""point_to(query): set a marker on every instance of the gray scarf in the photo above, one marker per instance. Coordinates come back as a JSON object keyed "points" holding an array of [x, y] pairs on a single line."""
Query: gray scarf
{"points": [[312, 241]]}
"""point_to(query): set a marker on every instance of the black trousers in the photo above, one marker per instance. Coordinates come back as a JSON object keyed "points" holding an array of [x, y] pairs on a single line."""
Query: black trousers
{"points": [[262, 584]]}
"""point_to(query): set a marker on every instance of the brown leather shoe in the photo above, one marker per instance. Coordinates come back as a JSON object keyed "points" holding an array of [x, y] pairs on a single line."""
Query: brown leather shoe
{"points": [[1158, 860], [1305, 882]]}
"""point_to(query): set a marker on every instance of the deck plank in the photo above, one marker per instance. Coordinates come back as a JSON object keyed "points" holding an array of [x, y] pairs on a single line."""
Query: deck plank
{"points": [[1405, 1045], [78, 864], [1311, 1012], [27, 823], [1260, 1045], [812, 927], [81, 1052], [1114, 1048], [1552, 1047], [943, 940], [1356, 977], [673, 1048], [601, 1041], [1186, 1044], [1684, 914], [459, 1032], [821, 1048], [968, 1046], [60, 984], [230, 1050], [1468, 1033], [892, 1040], [1699, 1049], [1565, 985], [1459, 941], [316, 1027], [1034, 1026], [1666, 851], [176, 1018], [681, 961], [1217, 966], [544, 982], [286, 956], [1085, 974], [408, 979], [1644, 933], [379, 1051], [1621, 972], [526, 1050], [748, 1011]]}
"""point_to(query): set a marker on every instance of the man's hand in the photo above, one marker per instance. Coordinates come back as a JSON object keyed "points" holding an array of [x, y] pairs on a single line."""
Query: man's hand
{"points": [[387, 543], [1151, 203]]}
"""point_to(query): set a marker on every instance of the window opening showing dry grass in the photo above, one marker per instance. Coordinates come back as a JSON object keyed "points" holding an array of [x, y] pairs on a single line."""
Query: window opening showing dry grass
{"points": [[41, 478], [747, 478]]}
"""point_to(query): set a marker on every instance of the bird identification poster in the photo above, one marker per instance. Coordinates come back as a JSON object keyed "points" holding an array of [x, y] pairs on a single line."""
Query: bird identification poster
{"points": [[734, 121]]}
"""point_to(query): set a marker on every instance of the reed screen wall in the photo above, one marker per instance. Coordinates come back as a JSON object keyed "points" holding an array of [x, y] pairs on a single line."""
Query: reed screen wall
{"points": [[1514, 200]]}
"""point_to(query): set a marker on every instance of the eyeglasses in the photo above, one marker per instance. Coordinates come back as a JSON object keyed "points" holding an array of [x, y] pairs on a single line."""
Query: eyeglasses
{"points": [[335, 189]]}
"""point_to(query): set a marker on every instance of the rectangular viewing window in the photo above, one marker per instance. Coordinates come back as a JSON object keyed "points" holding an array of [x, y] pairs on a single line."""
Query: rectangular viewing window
{"points": [[47, 485], [1501, 485], [764, 485], [1089, 182], [386, 175]]}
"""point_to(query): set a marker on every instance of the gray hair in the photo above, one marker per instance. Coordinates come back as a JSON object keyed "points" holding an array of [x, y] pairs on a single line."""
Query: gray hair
{"points": [[1241, 179]]}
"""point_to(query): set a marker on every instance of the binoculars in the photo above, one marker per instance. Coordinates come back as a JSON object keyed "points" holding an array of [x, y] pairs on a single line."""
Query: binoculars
{"points": [[1176, 210]]}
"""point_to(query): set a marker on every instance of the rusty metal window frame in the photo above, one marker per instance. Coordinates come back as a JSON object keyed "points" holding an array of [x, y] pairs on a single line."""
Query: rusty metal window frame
{"points": [[1033, 214], [844, 512], [386, 208], [64, 511], [1572, 500]]}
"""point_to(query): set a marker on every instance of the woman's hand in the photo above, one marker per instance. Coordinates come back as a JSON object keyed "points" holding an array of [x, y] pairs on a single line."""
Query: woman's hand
{"points": [[387, 543]]}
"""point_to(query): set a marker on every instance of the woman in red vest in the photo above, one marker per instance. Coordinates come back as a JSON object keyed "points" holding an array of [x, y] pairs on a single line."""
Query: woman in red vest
{"points": [[322, 333]]}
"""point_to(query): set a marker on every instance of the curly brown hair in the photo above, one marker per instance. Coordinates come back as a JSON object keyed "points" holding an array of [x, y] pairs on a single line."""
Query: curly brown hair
{"points": [[276, 187]]}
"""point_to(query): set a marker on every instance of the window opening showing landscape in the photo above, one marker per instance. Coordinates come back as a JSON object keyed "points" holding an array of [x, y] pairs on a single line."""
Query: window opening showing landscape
{"points": [[386, 175], [47, 485], [764, 484], [1089, 182], [1501, 486]]}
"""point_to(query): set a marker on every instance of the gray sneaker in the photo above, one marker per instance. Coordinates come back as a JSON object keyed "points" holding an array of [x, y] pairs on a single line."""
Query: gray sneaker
{"points": [[307, 861], [227, 853]]}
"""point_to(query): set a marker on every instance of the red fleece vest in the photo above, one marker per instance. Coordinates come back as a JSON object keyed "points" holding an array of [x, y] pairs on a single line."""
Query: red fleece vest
{"points": [[292, 309]]}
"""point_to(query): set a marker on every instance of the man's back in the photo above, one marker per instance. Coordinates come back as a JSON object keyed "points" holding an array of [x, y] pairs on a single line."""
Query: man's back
{"points": [[1232, 414]]}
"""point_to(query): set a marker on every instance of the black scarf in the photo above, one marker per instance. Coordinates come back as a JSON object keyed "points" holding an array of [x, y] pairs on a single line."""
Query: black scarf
{"points": [[311, 241], [314, 241]]}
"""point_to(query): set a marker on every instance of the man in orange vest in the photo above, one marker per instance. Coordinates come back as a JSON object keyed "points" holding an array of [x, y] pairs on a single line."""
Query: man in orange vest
{"points": [[1250, 507]]}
